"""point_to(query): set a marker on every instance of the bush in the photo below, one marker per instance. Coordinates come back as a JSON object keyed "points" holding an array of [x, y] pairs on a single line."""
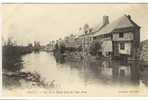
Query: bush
{"points": [[94, 48]]}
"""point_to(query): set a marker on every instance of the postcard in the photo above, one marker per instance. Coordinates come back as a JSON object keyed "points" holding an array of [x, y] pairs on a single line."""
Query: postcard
{"points": [[74, 50]]}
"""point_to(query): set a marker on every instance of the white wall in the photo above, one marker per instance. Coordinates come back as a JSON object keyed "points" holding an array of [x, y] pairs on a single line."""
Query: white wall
{"points": [[127, 49], [127, 36], [106, 46]]}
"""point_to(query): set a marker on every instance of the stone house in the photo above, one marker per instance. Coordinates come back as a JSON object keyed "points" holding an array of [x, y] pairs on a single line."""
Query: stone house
{"points": [[121, 38], [103, 39], [86, 38]]}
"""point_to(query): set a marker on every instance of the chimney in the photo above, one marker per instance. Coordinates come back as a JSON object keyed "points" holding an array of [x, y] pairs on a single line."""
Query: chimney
{"points": [[129, 17], [105, 20]]}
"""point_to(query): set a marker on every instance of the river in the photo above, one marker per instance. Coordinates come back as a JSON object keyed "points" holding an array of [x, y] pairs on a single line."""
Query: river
{"points": [[87, 75], [45, 64], [80, 73]]}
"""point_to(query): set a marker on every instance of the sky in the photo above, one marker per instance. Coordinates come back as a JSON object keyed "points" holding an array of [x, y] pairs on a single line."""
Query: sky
{"points": [[26, 23]]}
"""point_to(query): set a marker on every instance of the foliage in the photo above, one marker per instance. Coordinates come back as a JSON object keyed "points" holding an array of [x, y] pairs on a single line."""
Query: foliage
{"points": [[94, 48], [11, 54]]}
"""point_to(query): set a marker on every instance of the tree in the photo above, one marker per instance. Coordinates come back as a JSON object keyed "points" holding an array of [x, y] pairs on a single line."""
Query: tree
{"points": [[86, 28], [94, 48]]}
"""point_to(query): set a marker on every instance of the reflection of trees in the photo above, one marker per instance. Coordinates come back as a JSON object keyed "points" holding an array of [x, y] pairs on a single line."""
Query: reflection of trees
{"points": [[58, 53]]}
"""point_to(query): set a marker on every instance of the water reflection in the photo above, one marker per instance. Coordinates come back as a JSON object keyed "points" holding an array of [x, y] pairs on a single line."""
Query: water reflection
{"points": [[65, 73], [107, 71]]}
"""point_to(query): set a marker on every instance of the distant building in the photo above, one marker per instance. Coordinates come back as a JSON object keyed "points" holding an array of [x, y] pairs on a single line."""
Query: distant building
{"points": [[30, 45], [37, 46], [72, 41], [50, 46]]}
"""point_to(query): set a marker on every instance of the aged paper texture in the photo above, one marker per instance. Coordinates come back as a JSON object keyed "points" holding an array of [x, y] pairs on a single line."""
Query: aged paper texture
{"points": [[77, 50]]}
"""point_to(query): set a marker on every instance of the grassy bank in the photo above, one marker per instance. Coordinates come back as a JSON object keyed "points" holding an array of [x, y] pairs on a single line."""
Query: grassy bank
{"points": [[12, 62], [11, 56]]}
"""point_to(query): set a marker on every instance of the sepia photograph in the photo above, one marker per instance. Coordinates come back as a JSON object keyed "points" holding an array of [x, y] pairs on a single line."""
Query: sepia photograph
{"points": [[74, 50]]}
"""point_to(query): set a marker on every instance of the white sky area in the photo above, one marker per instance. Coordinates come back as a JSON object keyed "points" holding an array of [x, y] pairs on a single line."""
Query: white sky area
{"points": [[26, 23]]}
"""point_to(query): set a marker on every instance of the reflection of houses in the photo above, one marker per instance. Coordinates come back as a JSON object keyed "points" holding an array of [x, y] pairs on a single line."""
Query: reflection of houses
{"points": [[124, 71], [116, 71], [119, 38], [106, 69]]}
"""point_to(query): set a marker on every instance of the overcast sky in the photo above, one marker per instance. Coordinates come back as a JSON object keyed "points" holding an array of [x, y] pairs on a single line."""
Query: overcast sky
{"points": [[44, 22]]}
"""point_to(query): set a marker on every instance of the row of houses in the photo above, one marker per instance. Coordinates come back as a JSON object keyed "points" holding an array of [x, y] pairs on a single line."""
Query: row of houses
{"points": [[119, 39]]}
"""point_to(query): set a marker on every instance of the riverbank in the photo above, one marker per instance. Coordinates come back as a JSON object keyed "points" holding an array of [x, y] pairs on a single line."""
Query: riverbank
{"points": [[90, 68], [12, 57], [14, 75], [68, 75], [12, 64], [13, 79]]}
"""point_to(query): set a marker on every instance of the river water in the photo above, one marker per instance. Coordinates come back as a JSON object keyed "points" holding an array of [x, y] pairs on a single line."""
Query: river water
{"points": [[79, 73], [46, 66], [86, 77]]}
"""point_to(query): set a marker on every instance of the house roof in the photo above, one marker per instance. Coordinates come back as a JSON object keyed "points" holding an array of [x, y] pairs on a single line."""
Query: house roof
{"points": [[122, 22], [95, 29]]}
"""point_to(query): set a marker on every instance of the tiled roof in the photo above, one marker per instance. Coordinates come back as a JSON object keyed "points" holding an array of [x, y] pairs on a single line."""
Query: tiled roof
{"points": [[122, 22], [96, 28]]}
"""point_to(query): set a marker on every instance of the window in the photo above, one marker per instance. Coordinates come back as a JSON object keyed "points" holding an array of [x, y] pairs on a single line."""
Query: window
{"points": [[94, 38], [122, 46], [121, 34]]}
